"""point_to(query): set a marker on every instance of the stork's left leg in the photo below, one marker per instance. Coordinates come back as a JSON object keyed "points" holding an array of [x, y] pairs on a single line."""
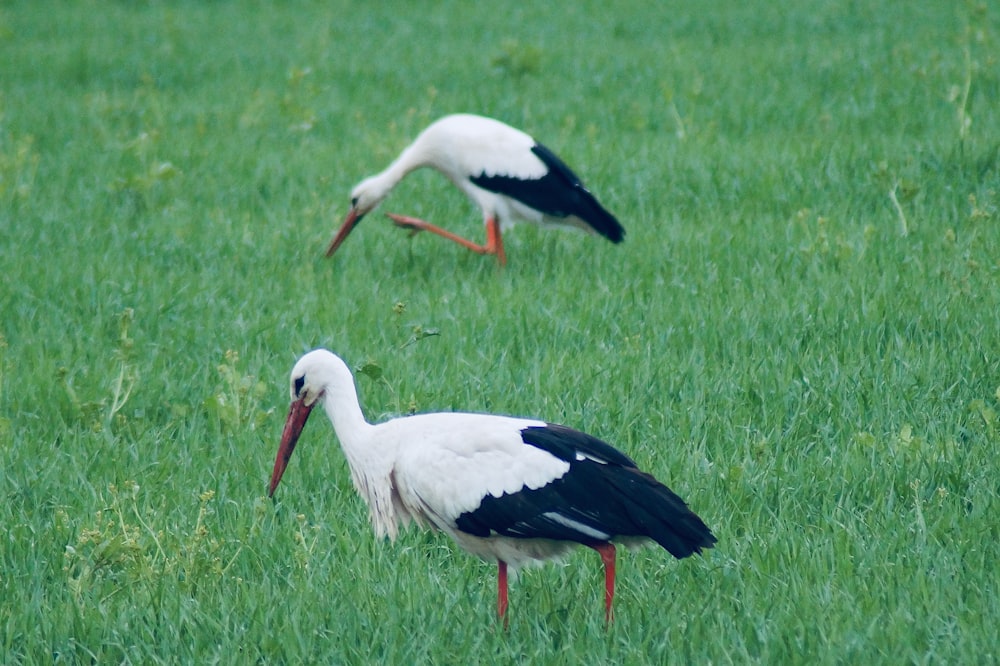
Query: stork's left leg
{"points": [[607, 551], [494, 243], [502, 592]]}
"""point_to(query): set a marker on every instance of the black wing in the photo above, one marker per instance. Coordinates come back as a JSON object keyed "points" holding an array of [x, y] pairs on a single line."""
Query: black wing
{"points": [[570, 445], [559, 193], [601, 497]]}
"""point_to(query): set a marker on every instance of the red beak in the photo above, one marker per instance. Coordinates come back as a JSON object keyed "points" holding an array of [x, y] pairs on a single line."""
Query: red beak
{"points": [[298, 413], [350, 222]]}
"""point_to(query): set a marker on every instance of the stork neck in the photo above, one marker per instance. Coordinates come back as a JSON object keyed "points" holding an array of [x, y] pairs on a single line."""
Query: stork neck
{"points": [[342, 407], [370, 463], [411, 158]]}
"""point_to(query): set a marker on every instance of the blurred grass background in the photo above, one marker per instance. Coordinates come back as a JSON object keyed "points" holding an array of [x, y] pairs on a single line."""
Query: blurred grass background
{"points": [[799, 334]]}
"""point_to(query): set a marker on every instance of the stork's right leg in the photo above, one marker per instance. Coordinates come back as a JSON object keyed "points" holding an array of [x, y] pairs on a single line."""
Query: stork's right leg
{"points": [[494, 243], [607, 551]]}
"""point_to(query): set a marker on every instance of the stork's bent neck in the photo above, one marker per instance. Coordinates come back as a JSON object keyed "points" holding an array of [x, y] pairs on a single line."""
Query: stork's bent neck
{"points": [[410, 159], [341, 404], [369, 460]]}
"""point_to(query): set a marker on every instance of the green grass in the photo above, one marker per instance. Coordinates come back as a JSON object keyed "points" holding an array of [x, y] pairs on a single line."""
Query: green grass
{"points": [[821, 387]]}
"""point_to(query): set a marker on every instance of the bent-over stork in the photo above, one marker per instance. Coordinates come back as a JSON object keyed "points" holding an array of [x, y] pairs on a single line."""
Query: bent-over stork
{"points": [[507, 489], [509, 175]]}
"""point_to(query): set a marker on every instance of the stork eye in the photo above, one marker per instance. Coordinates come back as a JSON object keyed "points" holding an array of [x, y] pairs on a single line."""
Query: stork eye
{"points": [[354, 202], [299, 383]]}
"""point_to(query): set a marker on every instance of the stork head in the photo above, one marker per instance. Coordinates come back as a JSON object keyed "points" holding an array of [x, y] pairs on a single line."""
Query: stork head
{"points": [[308, 382], [364, 198]]}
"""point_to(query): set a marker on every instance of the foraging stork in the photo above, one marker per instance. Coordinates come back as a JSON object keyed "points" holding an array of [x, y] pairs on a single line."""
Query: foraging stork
{"points": [[507, 489], [504, 171]]}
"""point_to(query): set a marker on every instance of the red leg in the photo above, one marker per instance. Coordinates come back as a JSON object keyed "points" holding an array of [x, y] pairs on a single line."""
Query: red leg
{"points": [[494, 240], [502, 592], [494, 244], [607, 551]]}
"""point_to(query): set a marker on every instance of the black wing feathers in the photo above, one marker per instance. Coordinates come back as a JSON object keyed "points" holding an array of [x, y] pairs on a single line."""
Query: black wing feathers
{"points": [[559, 193], [661, 514], [565, 443], [601, 497]]}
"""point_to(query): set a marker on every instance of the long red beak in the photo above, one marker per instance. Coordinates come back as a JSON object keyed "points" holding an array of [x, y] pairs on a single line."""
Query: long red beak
{"points": [[350, 222], [298, 413]]}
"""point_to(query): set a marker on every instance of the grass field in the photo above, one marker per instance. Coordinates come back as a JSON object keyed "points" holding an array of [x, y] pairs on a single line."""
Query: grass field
{"points": [[800, 333]]}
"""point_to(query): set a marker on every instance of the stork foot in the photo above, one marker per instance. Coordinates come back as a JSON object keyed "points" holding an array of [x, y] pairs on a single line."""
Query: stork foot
{"points": [[411, 224]]}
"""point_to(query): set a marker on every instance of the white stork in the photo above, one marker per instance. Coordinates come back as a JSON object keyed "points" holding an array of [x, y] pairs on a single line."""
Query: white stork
{"points": [[509, 175], [509, 490]]}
